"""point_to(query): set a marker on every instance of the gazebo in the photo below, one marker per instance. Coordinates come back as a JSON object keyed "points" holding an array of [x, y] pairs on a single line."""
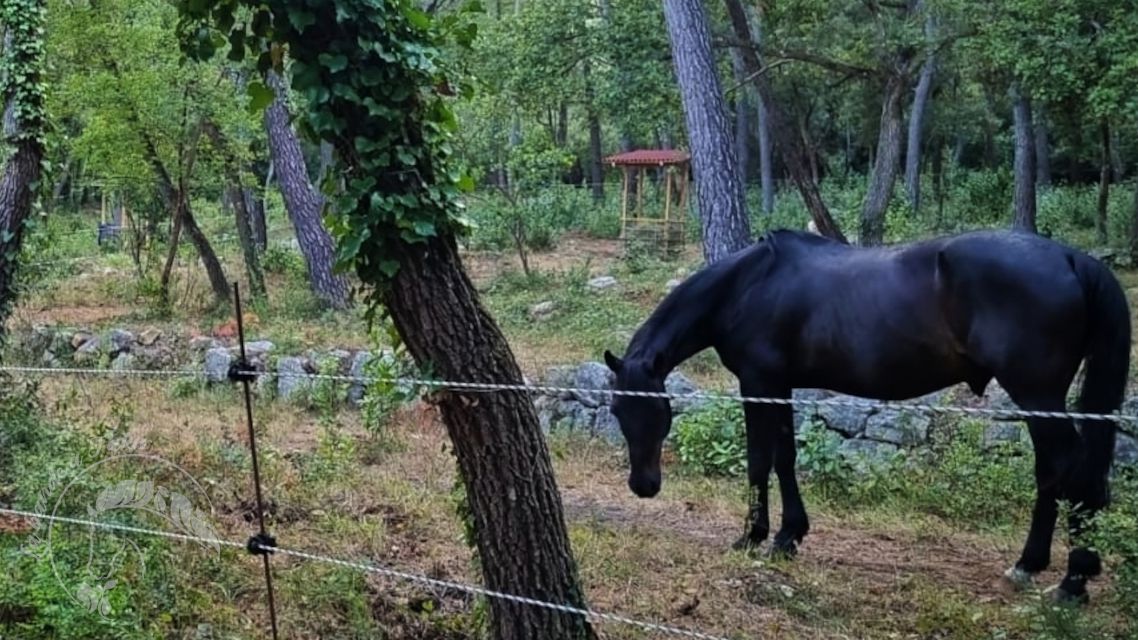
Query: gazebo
{"points": [[666, 227]]}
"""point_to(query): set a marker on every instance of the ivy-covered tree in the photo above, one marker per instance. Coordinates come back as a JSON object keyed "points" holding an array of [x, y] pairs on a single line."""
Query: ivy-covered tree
{"points": [[21, 77], [371, 75]]}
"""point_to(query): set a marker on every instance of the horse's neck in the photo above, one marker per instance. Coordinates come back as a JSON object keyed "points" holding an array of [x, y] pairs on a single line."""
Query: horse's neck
{"points": [[676, 332]]}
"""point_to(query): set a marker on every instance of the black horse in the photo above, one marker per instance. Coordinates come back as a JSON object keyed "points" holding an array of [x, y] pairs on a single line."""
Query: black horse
{"points": [[796, 310]]}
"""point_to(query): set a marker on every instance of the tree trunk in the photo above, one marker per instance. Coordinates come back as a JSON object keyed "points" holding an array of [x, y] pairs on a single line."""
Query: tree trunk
{"points": [[1105, 168], [742, 122], [766, 162], [938, 181], [502, 456], [719, 191], [255, 206], [178, 202], [1042, 152], [171, 254], [23, 50], [217, 280], [1024, 218], [884, 174], [916, 125], [596, 157], [1134, 227], [785, 135], [303, 202], [236, 193], [22, 170]]}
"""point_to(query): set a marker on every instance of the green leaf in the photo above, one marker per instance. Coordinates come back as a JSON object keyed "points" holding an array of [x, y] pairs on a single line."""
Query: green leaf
{"points": [[300, 19], [466, 184], [260, 96], [425, 228], [335, 62]]}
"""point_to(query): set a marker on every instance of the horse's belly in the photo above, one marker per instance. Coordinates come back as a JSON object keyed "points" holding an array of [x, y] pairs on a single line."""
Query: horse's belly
{"points": [[890, 376]]}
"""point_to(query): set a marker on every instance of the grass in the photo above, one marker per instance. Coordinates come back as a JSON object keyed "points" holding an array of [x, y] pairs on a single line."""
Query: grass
{"points": [[914, 552]]}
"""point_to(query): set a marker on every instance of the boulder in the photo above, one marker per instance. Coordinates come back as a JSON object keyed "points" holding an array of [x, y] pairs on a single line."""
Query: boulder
{"points": [[542, 310], [358, 370], [906, 428], [592, 376], [217, 362], [606, 425], [999, 433], [1126, 450], [867, 451], [80, 338], [123, 362], [292, 379], [847, 420], [201, 344], [121, 341], [149, 337], [601, 283], [89, 352], [678, 384]]}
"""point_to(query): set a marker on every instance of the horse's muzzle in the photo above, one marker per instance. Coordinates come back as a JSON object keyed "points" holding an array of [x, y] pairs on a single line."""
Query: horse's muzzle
{"points": [[644, 485]]}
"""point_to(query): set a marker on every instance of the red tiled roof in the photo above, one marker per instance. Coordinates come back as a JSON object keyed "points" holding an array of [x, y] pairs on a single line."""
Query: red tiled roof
{"points": [[649, 156]]}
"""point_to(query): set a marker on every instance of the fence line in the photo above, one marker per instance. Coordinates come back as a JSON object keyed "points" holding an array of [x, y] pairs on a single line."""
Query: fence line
{"points": [[492, 387], [376, 569]]}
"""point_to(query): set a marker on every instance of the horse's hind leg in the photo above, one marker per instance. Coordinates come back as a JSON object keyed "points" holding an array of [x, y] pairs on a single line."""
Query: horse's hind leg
{"points": [[795, 523], [1056, 445]]}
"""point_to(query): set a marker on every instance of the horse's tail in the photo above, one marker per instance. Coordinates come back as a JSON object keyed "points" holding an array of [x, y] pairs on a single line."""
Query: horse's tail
{"points": [[1107, 358]]}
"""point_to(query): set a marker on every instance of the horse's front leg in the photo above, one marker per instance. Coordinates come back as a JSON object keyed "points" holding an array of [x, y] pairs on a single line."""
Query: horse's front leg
{"points": [[760, 458]]}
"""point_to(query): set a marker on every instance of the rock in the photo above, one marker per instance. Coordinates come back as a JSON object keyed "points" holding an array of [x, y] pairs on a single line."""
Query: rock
{"points": [[606, 425], [217, 363], [60, 344], [124, 362], [672, 284], [601, 283], [678, 384], [292, 377], [996, 398], [343, 360], [149, 337], [898, 427], [869, 451], [1001, 433], [561, 377], [79, 339], [121, 341], [48, 360], [88, 352], [155, 357], [845, 419], [542, 310], [358, 370], [258, 349], [1126, 450], [802, 412], [201, 344], [592, 375]]}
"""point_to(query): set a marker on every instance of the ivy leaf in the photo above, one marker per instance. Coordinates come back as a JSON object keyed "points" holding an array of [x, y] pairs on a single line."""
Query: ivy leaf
{"points": [[425, 228], [335, 62], [260, 96], [301, 20], [466, 184]]}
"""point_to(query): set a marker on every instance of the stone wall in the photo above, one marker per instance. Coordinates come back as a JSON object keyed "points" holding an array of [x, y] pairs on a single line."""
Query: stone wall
{"points": [[866, 432]]}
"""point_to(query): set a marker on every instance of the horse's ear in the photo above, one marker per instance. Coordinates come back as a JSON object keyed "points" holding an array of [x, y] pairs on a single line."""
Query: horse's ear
{"points": [[614, 363]]}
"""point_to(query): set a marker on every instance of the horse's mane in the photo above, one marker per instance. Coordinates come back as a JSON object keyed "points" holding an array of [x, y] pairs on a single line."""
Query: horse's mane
{"points": [[701, 290]]}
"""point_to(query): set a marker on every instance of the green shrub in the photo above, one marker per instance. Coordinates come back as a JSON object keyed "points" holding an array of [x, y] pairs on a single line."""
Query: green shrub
{"points": [[712, 439]]}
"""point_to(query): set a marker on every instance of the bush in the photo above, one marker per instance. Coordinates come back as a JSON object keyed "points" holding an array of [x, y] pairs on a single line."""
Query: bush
{"points": [[712, 439]]}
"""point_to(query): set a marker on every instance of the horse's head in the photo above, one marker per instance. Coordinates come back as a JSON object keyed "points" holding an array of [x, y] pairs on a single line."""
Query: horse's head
{"points": [[644, 421]]}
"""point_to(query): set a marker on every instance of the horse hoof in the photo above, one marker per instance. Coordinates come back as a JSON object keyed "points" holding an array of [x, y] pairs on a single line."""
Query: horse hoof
{"points": [[782, 551], [746, 543], [1019, 579], [1062, 596]]}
